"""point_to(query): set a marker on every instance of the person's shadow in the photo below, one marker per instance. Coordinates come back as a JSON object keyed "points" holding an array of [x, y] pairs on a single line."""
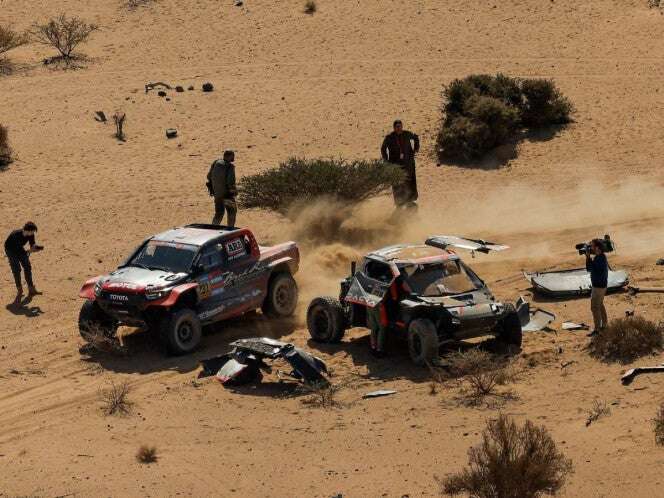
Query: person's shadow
{"points": [[22, 309]]}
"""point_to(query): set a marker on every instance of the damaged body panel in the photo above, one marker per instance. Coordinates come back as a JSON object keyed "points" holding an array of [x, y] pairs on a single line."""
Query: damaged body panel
{"points": [[574, 282], [533, 320], [245, 362]]}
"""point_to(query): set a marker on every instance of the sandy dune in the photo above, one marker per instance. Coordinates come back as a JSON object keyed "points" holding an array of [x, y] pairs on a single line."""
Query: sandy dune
{"points": [[323, 85]]}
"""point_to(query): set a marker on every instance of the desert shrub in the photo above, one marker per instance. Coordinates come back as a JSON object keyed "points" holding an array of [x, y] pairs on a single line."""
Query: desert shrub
{"points": [[5, 149], [626, 339], [135, 4], [115, 399], [63, 33], [480, 370], [512, 461], [598, 410], [658, 423], [482, 112], [654, 4], [146, 454], [300, 181], [10, 39], [543, 104], [310, 7], [322, 396]]}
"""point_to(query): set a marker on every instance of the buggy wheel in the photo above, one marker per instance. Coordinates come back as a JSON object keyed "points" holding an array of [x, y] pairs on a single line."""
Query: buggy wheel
{"points": [[281, 299], [94, 324], [326, 320], [510, 332], [422, 341], [181, 331]]}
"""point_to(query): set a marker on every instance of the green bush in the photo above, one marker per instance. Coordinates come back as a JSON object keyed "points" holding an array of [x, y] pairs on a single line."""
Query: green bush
{"points": [[482, 112], [303, 180], [626, 339], [512, 461]]}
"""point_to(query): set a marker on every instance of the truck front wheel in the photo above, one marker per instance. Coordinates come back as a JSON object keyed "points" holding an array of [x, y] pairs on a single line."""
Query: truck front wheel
{"points": [[181, 331], [510, 332], [94, 324], [325, 320], [422, 341]]}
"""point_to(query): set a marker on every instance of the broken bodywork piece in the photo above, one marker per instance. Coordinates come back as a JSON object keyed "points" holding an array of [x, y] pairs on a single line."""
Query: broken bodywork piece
{"points": [[532, 320], [636, 290], [452, 241], [574, 326], [575, 282], [379, 394], [245, 362], [628, 376]]}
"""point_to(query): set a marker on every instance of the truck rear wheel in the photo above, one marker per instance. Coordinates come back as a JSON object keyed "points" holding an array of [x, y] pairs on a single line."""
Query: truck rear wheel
{"points": [[422, 341], [181, 331], [94, 324], [510, 332], [281, 299], [325, 320]]}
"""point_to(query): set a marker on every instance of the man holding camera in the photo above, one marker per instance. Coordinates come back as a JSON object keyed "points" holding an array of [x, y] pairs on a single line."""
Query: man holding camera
{"points": [[598, 267], [20, 258]]}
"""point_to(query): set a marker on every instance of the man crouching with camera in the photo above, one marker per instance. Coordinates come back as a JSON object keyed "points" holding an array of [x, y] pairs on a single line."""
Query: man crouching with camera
{"points": [[598, 266]]}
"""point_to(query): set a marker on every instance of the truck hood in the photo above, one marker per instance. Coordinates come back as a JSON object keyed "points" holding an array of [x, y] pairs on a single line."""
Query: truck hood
{"points": [[131, 279]]}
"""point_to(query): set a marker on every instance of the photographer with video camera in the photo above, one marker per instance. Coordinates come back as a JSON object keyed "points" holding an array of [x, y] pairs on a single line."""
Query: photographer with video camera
{"points": [[20, 258], [598, 267]]}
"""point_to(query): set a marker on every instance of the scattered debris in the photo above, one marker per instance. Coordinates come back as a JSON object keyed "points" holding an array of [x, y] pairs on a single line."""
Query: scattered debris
{"points": [[378, 394], [566, 283], [660, 262], [447, 241], [151, 86], [179, 89], [161, 93], [171, 133], [244, 363], [100, 116], [629, 376], [532, 320], [636, 290], [208, 87], [574, 326]]}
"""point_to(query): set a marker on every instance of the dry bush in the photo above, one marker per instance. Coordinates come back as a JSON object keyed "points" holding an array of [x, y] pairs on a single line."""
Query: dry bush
{"points": [[146, 454], [598, 410], [119, 120], [658, 425], [480, 370], [304, 181], [10, 39], [135, 4], [655, 4], [115, 399], [102, 339], [322, 395], [483, 112], [626, 339], [512, 461], [6, 153], [63, 33], [310, 7]]}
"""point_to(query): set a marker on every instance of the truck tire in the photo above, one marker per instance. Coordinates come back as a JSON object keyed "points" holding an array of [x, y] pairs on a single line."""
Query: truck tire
{"points": [[510, 332], [181, 331], [325, 320], [422, 341], [92, 321], [281, 299]]}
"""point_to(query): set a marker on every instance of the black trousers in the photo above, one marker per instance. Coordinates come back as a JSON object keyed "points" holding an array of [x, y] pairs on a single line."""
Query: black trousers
{"points": [[406, 192], [220, 208], [16, 261]]}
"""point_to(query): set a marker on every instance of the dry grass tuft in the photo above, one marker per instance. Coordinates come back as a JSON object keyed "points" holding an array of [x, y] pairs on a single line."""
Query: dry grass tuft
{"points": [[599, 409], [481, 372], [322, 395], [310, 7], [115, 399], [658, 423], [512, 461], [626, 339], [147, 454]]}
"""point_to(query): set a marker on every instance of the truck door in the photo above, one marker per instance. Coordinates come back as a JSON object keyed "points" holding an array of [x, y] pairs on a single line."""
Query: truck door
{"points": [[210, 274], [243, 289]]}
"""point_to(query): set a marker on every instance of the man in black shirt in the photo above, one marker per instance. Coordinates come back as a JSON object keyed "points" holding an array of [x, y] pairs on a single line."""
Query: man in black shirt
{"points": [[599, 276], [221, 185], [398, 149], [19, 257]]}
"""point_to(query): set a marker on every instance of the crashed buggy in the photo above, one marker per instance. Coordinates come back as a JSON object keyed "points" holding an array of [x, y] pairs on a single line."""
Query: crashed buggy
{"points": [[442, 299], [177, 281]]}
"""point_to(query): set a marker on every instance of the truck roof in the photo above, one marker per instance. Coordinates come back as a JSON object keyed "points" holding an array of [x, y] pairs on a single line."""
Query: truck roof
{"points": [[404, 253], [197, 234]]}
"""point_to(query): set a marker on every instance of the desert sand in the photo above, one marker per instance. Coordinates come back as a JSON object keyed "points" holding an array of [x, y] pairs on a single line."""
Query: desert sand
{"points": [[330, 84]]}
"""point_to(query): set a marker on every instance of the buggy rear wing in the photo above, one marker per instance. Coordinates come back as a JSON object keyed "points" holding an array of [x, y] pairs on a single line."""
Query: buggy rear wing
{"points": [[448, 241]]}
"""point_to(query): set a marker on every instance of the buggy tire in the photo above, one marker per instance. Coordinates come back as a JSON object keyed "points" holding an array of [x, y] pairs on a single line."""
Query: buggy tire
{"points": [[281, 299], [326, 320], [510, 332], [422, 341], [181, 331], [92, 319]]}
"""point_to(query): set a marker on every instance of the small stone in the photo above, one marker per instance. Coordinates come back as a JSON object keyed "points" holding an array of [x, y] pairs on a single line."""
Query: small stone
{"points": [[179, 89], [191, 87], [208, 87], [161, 93], [171, 133]]}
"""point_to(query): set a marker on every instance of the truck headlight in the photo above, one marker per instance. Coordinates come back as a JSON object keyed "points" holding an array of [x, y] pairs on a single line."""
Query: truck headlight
{"points": [[98, 285], [154, 294]]}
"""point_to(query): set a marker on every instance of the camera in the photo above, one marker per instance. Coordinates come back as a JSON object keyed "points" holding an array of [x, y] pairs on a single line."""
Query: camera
{"points": [[605, 243]]}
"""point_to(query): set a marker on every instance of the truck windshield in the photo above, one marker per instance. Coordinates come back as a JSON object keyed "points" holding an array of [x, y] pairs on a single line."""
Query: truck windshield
{"points": [[439, 279], [166, 256]]}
